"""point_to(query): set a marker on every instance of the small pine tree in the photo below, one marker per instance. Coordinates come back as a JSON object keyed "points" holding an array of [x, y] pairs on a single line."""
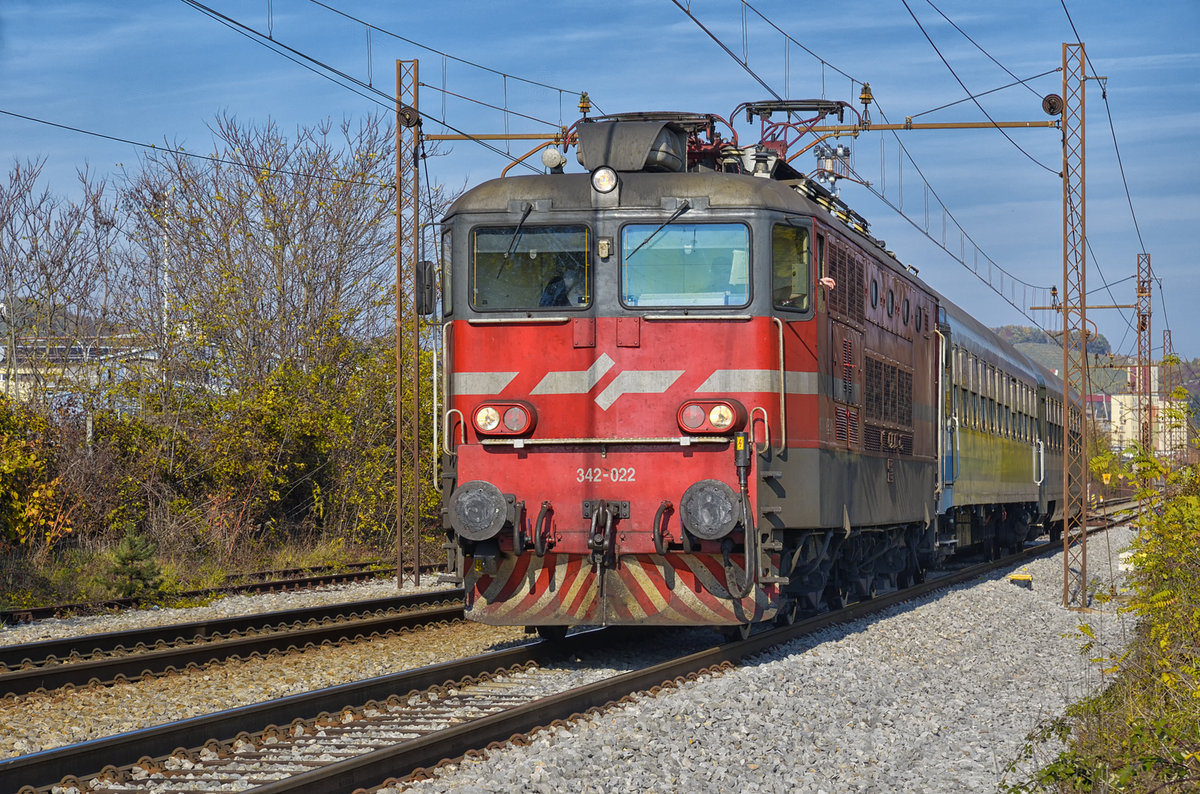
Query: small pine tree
{"points": [[135, 572]]}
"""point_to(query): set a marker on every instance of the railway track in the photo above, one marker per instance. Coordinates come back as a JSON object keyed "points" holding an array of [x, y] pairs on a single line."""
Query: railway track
{"points": [[361, 734], [102, 658], [247, 583]]}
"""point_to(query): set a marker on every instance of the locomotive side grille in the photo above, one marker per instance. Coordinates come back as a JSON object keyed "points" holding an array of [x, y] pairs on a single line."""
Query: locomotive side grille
{"points": [[873, 388], [879, 439], [845, 424], [837, 266], [847, 370], [888, 393], [848, 297], [858, 296]]}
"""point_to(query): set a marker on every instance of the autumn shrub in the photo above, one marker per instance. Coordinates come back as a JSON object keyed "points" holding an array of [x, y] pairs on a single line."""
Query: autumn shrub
{"points": [[1142, 732]]}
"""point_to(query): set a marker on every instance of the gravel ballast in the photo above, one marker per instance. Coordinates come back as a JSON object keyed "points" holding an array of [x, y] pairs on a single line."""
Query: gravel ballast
{"points": [[936, 695]]}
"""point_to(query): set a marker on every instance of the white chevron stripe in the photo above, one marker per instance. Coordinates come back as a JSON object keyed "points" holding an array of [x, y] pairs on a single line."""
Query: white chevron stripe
{"points": [[482, 382], [577, 382], [758, 380], [646, 381]]}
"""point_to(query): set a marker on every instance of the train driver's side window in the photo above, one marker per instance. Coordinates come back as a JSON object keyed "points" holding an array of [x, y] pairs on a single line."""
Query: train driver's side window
{"points": [[791, 267]]}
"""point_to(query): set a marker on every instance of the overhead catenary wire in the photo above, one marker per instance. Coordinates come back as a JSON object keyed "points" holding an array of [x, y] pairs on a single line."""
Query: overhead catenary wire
{"points": [[443, 54], [212, 158], [1112, 128], [329, 73], [982, 110], [898, 209], [980, 47], [1019, 81], [854, 81], [1120, 162]]}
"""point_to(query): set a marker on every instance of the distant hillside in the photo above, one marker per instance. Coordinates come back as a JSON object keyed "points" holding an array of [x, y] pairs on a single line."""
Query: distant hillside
{"points": [[1017, 334], [1109, 376]]}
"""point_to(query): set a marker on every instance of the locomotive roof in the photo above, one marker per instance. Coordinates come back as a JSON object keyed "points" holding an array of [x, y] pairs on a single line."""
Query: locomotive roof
{"points": [[638, 190]]}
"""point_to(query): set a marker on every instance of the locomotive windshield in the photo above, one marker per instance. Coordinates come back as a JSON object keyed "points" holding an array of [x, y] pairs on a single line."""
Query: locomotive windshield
{"points": [[530, 267], [685, 264]]}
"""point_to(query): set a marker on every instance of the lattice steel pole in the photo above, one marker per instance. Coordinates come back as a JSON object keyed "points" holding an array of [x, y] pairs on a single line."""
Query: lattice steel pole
{"points": [[1168, 380], [1075, 332], [408, 459], [1145, 383], [1169, 373]]}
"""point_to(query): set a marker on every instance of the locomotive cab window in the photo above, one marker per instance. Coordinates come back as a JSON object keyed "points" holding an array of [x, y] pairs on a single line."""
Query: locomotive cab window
{"points": [[790, 265], [530, 267], [685, 264]]}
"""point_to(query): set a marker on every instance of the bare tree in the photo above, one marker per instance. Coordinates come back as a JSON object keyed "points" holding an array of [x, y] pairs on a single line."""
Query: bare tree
{"points": [[270, 251], [55, 255]]}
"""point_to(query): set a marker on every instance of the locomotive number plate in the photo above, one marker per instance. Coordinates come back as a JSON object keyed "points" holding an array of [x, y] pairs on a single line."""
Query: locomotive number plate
{"points": [[598, 474]]}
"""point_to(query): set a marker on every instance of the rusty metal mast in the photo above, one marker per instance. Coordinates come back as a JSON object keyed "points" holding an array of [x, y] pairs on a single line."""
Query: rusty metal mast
{"points": [[1145, 360], [408, 458], [1075, 328], [1169, 373]]}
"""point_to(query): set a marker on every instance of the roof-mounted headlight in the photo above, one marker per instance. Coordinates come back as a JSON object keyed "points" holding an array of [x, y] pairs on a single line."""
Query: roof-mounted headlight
{"points": [[604, 179]]}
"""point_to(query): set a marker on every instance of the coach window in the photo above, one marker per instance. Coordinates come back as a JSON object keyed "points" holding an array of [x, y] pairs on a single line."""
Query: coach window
{"points": [[528, 267], [790, 265], [685, 264], [891, 302], [874, 293]]}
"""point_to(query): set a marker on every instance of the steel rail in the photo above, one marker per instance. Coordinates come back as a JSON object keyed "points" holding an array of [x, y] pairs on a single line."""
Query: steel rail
{"points": [[125, 749], [15, 655], [413, 756], [30, 614], [109, 669]]}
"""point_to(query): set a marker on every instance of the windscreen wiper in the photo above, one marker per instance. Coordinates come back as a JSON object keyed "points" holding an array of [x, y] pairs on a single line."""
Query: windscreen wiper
{"points": [[684, 207], [516, 238]]}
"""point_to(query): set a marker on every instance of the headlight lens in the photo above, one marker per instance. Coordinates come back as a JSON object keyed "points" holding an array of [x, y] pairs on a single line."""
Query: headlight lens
{"points": [[487, 418], [604, 179], [721, 417]]}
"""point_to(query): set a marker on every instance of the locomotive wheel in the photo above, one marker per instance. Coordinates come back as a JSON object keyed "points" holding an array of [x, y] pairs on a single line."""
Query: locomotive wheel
{"points": [[787, 615], [735, 633], [552, 633], [837, 596]]}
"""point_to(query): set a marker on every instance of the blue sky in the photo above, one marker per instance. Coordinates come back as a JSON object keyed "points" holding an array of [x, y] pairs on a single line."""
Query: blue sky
{"points": [[161, 70]]}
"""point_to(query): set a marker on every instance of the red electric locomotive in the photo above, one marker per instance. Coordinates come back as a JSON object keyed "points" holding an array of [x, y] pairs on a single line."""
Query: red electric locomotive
{"points": [[686, 387]]}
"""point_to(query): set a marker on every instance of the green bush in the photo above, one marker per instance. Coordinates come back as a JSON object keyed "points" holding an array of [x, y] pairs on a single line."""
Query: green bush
{"points": [[1142, 733]]}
